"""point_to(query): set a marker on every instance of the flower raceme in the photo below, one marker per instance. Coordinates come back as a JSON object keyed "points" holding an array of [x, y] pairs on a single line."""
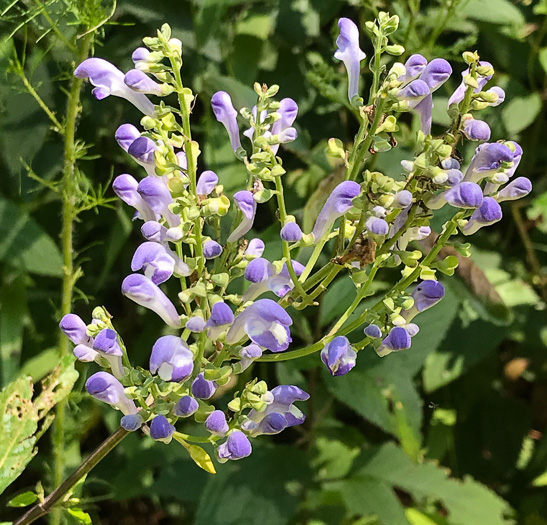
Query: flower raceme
{"points": [[234, 304]]}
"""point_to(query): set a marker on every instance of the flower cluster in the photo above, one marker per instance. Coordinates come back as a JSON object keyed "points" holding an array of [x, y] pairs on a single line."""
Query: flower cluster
{"points": [[215, 335]]}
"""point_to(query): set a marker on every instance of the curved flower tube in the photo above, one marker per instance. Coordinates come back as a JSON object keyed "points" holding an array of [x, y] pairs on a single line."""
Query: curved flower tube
{"points": [[105, 387], [516, 189], [206, 182], [245, 202], [154, 260], [288, 110], [350, 54], [488, 159], [144, 292], [108, 80], [414, 66], [140, 82], [226, 114], [125, 187], [221, 318], [125, 135], [156, 194], [339, 202], [75, 329], [426, 294], [106, 344], [265, 279], [489, 213], [265, 323]]}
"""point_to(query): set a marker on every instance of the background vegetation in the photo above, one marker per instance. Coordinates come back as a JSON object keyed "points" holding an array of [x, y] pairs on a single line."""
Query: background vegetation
{"points": [[449, 432]]}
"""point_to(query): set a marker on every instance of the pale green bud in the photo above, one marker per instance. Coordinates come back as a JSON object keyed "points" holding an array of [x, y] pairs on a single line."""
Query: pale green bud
{"points": [[336, 149], [395, 50]]}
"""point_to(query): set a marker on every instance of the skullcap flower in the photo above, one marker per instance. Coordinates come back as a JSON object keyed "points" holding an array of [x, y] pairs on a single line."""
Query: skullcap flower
{"points": [[402, 199], [288, 110], [464, 195], [426, 294], [156, 194], [141, 83], [216, 423], [221, 318], [488, 159], [338, 356], [105, 387], [206, 182], [125, 187], [237, 446], [186, 406], [265, 323], [171, 359], [414, 66], [144, 292], [161, 429], [154, 260], [203, 388], [211, 249], [142, 150], [85, 354], [377, 226], [131, 422], [259, 270], [339, 202], [75, 329], [255, 248], [245, 202], [459, 94], [373, 331], [195, 324], [125, 135], [476, 129], [226, 114], [489, 213], [291, 232], [350, 54], [108, 80], [520, 187]]}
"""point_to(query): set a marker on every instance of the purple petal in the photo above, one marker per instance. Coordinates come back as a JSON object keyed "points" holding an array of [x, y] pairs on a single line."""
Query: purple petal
{"points": [[186, 406], [226, 114], [171, 359], [350, 53], [107, 342]]}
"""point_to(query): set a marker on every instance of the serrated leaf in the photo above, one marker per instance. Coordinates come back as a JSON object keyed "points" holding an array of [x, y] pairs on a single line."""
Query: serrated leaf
{"points": [[25, 245], [22, 414], [520, 112], [466, 501]]}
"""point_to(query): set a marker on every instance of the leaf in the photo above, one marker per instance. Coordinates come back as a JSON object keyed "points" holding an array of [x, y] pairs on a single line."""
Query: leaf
{"points": [[23, 500], [538, 211], [80, 516], [25, 245], [542, 55], [501, 12], [520, 112], [200, 456], [253, 491], [19, 427], [13, 309], [465, 501]]}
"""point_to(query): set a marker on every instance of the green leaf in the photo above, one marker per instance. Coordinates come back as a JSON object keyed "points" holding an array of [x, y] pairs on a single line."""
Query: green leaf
{"points": [[542, 55], [501, 12], [520, 112], [25, 245], [80, 515], [19, 427], [13, 301], [465, 501], [23, 500], [538, 211]]}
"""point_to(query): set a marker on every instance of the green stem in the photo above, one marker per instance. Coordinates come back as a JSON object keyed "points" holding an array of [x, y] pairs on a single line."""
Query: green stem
{"points": [[286, 251], [69, 272], [42, 508]]}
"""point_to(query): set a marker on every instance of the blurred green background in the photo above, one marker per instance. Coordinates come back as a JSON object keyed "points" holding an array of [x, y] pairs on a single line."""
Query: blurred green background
{"points": [[449, 432]]}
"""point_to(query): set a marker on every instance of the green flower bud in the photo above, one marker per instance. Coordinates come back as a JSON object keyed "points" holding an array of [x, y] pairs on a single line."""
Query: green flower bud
{"points": [[336, 149], [395, 50], [221, 279], [470, 58], [470, 81]]}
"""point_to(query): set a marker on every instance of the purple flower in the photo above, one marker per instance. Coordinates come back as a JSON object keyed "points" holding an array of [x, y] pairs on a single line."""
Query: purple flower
{"points": [[106, 343], [255, 248], [259, 270], [413, 93], [216, 423], [426, 294], [186, 406], [247, 354], [206, 182], [75, 329], [125, 135], [402, 199], [226, 114], [476, 129], [202, 388], [105, 387], [291, 232], [131, 422], [221, 318], [154, 231], [414, 67], [211, 249], [125, 187], [338, 356], [288, 109], [265, 323], [140, 54], [279, 414], [339, 202], [156, 194], [488, 159], [237, 446], [377, 226], [142, 83], [85, 354], [397, 339], [142, 150], [520, 187], [161, 429], [500, 94], [154, 260], [350, 53], [464, 195], [145, 293], [108, 80], [171, 359], [263, 277], [489, 213], [436, 73], [195, 324], [246, 203], [373, 331]]}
